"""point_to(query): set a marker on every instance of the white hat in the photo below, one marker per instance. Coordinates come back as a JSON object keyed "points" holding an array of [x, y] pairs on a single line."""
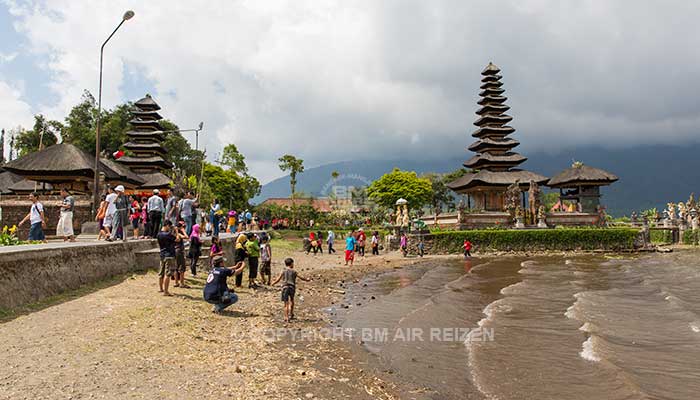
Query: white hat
{"points": [[156, 191], [119, 188]]}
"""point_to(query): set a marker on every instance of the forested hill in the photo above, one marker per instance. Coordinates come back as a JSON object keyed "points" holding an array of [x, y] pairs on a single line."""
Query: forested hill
{"points": [[650, 176]]}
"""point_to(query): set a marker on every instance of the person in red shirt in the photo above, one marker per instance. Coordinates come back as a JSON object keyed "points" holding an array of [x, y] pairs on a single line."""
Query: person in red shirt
{"points": [[467, 248]]}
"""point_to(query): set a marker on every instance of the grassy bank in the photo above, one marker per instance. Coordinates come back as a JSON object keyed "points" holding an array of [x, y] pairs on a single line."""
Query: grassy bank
{"points": [[537, 240]]}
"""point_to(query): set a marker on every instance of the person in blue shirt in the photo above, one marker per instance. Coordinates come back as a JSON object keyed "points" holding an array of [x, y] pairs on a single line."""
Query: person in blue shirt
{"points": [[350, 243], [216, 291]]}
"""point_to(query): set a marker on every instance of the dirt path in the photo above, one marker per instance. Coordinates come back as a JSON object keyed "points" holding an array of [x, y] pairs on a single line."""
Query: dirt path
{"points": [[128, 342]]}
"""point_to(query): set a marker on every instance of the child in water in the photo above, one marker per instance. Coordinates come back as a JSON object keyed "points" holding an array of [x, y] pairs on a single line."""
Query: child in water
{"points": [[467, 246]]}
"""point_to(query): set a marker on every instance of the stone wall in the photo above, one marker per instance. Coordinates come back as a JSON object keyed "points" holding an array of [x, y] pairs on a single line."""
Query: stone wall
{"points": [[34, 272], [14, 208]]}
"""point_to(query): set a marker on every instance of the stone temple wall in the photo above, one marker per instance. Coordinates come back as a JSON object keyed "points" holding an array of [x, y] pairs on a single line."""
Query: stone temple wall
{"points": [[30, 273]]}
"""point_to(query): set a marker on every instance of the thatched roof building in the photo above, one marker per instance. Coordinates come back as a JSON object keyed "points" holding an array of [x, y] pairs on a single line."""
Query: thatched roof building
{"points": [[7, 179], [582, 175], [68, 166], [494, 164], [583, 185], [26, 186]]}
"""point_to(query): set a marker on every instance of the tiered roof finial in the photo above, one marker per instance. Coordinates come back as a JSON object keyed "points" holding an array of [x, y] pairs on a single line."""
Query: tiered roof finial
{"points": [[145, 142], [493, 148]]}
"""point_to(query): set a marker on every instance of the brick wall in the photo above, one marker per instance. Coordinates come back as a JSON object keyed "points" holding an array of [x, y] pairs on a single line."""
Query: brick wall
{"points": [[14, 208]]}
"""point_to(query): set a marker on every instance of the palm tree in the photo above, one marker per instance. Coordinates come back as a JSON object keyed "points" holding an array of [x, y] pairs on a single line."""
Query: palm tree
{"points": [[295, 166], [335, 176]]}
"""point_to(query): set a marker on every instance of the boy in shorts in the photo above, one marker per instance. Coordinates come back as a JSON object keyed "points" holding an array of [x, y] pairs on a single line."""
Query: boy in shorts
{"points": [[266, 258], [289, 281], [168, 269]]}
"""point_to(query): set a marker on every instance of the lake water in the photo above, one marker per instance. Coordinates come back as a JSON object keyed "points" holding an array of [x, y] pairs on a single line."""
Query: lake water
{"points": [[589, 327]]}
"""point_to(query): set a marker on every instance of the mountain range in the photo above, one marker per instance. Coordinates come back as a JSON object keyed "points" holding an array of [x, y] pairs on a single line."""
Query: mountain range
{"points": [[650, 175]]}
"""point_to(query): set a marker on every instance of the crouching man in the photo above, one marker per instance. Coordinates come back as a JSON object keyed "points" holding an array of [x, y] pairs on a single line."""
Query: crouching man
{"points": [[216, 291]]}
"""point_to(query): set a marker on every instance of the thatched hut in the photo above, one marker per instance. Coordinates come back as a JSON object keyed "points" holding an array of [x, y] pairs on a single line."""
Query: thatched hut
{"points": [[581, 184], [65, 165], [7, 179]]}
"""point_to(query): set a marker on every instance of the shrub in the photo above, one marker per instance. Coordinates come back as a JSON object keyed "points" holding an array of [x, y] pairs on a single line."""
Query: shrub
{"points": [[691, 237], [661, 236], [540, 239]]}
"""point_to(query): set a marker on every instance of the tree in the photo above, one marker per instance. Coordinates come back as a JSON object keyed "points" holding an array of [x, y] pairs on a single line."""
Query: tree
{"points": [[44, 131], [442, 195], [233, 159], [548, 200], [401, 184], [454, 175], [180, 152], [295, 166], [80, 126], [231, 189]]}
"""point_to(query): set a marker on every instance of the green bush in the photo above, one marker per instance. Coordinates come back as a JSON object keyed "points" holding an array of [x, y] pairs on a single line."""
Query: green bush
{"points": [[661, 236], [540, 239], [691, 237]]}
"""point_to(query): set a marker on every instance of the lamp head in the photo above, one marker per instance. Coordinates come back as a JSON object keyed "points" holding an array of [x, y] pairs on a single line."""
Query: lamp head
{"points": [[201, 125], [128, 15]]}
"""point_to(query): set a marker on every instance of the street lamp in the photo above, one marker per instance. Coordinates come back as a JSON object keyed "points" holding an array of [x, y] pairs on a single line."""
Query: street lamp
{"points": [[96, 196]]}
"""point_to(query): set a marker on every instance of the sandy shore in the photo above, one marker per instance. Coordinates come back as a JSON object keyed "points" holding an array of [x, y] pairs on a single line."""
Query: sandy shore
{"points": [[128, 341]]}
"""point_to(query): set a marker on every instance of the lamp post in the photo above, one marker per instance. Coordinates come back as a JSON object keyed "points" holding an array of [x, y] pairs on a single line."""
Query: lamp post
{"points": [[96, 195]]}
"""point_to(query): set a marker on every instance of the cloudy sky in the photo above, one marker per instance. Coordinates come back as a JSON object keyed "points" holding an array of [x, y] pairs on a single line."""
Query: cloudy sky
{"points": [[338, 80]]}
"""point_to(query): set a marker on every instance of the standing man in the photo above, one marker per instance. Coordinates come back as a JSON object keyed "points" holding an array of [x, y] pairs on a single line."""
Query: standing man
{"points": [[188, 205], [109, 214], [120, 214], [171, 211], [65, 221], [155, 213], [36, 219]]}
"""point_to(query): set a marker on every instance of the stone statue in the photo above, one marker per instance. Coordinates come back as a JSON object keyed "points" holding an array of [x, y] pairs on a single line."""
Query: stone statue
{"points": [[460, 211], [519, 217], [541, 217], [671, 210], [602, 216], [512, 199], [682, 212], [405, 216], [691, 204], [398, 216], [534, 199]]}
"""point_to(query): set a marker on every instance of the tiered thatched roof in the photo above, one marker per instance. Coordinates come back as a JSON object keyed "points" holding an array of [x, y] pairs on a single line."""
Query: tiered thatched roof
{"points": [[145, 140], [494, 162]]}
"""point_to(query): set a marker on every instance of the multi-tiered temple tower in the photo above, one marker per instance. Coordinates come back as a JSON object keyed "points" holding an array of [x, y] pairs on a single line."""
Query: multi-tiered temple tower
{"points": [[147, 154], [493, 166]]}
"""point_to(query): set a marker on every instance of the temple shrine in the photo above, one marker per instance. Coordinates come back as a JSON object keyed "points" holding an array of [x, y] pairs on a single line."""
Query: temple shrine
{"points": [[499, 193]]}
